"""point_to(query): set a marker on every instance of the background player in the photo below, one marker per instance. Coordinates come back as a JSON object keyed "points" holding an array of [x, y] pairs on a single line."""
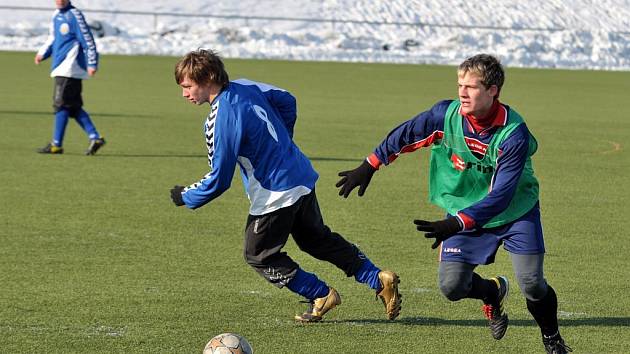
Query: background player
{"points": [[72, 47]]}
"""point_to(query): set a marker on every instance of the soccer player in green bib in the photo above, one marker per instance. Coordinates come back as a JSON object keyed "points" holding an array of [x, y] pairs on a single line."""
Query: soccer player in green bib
{"points": [[481, 174]]}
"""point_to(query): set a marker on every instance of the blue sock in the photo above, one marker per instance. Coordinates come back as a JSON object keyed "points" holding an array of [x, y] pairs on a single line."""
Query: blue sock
{"points": [[83, 118], [368, 274], [308, 285], [61, 121]]}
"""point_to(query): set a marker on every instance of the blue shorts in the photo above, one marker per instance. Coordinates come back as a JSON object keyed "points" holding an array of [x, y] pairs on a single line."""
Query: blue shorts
{"points": [[522, 236]]}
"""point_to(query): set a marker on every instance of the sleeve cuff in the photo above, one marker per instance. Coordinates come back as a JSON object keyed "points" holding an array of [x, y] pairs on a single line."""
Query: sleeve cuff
{"points": [[467, 222], [373, 161]]}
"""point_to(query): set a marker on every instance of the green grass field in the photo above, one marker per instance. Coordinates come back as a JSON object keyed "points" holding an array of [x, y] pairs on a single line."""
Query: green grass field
{"points": [[94, 258]]}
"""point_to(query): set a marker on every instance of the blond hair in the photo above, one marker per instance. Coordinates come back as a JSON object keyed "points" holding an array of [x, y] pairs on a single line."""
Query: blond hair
{"points": [[487, 67]]}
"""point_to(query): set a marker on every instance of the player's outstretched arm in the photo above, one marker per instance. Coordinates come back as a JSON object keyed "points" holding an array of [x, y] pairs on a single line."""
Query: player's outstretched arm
{"points": [[360, 176], [439, 230]]}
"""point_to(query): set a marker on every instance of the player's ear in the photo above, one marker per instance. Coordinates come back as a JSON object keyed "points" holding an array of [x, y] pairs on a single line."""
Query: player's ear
{"points": [[493, 90]]}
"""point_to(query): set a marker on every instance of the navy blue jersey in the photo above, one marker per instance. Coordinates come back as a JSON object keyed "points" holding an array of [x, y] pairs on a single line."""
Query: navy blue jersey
{"points": [[71, 44], [251, 124], [428, 127]]}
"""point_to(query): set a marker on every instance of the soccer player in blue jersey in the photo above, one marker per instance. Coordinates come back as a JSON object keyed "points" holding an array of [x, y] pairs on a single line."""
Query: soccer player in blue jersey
{"points": [[74, 58], [481, 175], [251, 125]]}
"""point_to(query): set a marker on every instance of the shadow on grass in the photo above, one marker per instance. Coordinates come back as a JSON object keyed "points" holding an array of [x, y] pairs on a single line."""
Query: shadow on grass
{"points": [[334, 159], [114, 155], [125, 155], [93, 114], [432, 321]]}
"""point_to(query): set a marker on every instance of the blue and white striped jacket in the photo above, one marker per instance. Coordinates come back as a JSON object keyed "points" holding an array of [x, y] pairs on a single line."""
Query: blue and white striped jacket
{"points": [[251, 124], [70, 43]]}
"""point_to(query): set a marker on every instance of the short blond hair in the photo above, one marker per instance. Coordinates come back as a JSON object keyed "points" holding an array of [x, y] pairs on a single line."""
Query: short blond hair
{"points": [[202, 66], [487, 67]]}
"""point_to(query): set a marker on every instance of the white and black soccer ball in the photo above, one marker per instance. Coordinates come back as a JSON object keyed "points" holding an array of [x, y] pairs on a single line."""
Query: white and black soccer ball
{"points": [[228, 343]]}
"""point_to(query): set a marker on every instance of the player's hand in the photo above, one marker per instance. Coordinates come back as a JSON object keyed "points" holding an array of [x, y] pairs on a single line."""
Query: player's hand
{"points": [[38, 59], [439, 230], [91, 71], [360, 176], [176, 195]]}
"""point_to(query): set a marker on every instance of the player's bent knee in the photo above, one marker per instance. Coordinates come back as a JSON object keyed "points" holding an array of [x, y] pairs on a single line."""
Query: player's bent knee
{"points": [[455, 280], [454, 290], [534, 288], [256, 262]]}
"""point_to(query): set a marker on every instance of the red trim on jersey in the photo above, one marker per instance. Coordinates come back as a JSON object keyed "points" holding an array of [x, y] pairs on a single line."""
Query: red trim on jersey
{"points": [[428, 141], [469, 223], [373, 161], [496, 117]]}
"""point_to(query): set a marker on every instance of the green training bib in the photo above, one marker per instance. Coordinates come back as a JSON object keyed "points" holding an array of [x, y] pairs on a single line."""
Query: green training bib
{"points": [[458, 179]]}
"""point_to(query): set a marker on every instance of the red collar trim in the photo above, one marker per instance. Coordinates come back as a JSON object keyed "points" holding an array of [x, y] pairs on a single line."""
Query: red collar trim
{"points": [[497, 117]]}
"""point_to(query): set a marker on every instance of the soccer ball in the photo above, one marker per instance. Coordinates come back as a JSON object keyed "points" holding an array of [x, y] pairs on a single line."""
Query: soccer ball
{"points": [[228, 343]]}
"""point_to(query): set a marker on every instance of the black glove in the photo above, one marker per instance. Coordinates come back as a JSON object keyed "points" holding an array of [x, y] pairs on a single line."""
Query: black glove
{"points": [[439, 230], [360, 176], [176, 195]]}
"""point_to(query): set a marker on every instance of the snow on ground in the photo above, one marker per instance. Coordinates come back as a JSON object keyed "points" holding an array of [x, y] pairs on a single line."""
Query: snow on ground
{"points": [[573, 34]]}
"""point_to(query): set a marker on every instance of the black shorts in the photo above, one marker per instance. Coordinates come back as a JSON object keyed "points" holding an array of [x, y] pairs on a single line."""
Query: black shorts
{"points": [[67, 94], [266, 235]]}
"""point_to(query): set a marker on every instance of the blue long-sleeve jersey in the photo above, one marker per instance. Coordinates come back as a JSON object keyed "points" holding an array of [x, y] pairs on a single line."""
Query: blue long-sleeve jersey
{"points": [[71, 44], [251, 124], [427, 128]]}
